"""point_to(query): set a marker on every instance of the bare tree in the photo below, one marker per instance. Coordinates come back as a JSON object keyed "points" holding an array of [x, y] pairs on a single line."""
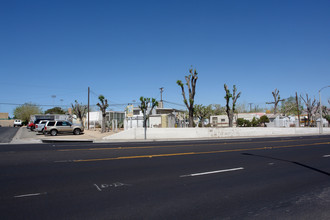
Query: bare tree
{"points": [[191, 80], [311, 107], [230, 110], [103, 105], [80, 111], [277, 99]]}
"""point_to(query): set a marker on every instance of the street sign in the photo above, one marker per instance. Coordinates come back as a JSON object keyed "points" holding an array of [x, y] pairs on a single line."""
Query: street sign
{"points": [[129, 111]]}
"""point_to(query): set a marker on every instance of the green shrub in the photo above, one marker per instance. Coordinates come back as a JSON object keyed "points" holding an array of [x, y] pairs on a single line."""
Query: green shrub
{"points": [[240, 122]]}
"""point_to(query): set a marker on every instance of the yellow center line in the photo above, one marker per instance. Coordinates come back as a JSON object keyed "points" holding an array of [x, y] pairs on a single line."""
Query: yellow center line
{"points": [[171, 146], [196, 153]]}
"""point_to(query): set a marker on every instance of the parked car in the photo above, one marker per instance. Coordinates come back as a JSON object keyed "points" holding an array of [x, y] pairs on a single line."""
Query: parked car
{"points": [[32, 124], [17, 123], [40, 126], [55, 127]]}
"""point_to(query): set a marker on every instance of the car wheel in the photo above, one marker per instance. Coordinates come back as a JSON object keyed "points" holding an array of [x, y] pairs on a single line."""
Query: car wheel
{"points": [[76, 131], [53, 132]]}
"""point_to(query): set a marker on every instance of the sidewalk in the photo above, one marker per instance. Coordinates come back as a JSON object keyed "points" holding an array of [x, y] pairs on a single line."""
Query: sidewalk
{"points": [[25, 136]]}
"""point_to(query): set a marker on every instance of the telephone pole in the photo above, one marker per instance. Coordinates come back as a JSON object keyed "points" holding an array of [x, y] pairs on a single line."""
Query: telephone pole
{"points": [[297, 102], [250, 106], [161, 97], [88, 110]]}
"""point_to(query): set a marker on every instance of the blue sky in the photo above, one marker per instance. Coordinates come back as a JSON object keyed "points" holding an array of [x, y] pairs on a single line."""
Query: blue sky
{"points": [[127, 49]]}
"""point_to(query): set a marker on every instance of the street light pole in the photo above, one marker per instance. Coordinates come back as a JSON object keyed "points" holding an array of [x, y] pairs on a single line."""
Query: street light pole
{"points": [[321, 119]]}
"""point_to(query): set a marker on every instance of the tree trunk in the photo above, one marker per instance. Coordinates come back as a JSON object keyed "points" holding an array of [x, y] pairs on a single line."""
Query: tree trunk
{"points": [[308, 120], [103, 123], [145, 124], [191, 117], [231, 118]]}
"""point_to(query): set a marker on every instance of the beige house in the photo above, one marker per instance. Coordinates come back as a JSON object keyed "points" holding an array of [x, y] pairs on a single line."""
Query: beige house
{"points": [[5, 121]]}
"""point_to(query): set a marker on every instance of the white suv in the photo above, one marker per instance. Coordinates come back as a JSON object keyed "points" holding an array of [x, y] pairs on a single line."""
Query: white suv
{"points": [[17, 123], [40, 126]]}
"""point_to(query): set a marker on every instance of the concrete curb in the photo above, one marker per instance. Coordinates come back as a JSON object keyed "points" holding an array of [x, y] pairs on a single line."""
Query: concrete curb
{"points": [[66, 140]]}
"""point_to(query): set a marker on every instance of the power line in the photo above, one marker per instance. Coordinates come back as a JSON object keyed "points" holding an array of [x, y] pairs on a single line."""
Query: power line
{"points": [[174, 103], [34, 104]]}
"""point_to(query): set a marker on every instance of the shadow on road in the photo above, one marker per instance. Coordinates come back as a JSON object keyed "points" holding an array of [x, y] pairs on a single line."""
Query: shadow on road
{"points": [[7, 134], [289, 161]]}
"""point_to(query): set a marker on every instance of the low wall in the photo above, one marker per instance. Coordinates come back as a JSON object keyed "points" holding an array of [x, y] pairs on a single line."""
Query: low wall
{"points": [[184, 133], [7, 123]]}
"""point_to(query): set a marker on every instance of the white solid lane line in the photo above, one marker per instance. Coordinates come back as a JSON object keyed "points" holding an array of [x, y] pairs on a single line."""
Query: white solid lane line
{"points": [[212, 172], [326, 155], [32, 194]]}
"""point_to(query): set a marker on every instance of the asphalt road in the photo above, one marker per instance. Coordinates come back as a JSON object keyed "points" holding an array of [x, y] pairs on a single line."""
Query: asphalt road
{"points": [[7, 134], [274, 178]]}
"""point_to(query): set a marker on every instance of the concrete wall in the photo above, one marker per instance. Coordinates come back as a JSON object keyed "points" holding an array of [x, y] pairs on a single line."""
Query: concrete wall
{"points": [[182, 133], [7, 123], [4, 115]]}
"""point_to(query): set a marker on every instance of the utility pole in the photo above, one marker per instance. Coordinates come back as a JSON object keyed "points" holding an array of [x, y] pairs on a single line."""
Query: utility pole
{"points": [[161, 97], [161, 93], [250, 106], [298, 109], [88, 109]]}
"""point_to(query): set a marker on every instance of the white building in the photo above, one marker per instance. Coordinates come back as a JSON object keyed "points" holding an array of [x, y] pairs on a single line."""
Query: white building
{"points": [[114, 119], [222, 120], [159, 118]]}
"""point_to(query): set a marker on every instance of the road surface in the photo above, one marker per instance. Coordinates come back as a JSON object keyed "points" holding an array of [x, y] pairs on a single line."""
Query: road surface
{"points": [[7, 134], [275, 178]]}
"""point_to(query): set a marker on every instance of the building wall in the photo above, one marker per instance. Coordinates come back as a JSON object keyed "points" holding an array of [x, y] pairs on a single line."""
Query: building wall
{"points": [[7, 123], [179, 133], [4, 115]]}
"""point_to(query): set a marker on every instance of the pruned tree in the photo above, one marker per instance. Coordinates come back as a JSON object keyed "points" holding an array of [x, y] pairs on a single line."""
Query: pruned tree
{"points": [[144, 108], [311, 107], [103, 105], [277, 99], [191, 80], [80, 111], [230, 109], [202, 112]]}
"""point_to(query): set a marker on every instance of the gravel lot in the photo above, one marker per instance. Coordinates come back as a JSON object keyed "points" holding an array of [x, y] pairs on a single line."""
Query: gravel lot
{"points": [[25, 135]]}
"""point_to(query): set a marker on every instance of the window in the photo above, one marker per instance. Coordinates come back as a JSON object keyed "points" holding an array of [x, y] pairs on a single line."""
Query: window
{"points": [[59, 123], [51, 123], [136, 112], [223, 120], [66, 123], [215, 120]]}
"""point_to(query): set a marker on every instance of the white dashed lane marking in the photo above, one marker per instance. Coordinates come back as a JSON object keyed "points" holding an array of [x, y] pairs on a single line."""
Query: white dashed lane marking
{"points": [[213, 172]]}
